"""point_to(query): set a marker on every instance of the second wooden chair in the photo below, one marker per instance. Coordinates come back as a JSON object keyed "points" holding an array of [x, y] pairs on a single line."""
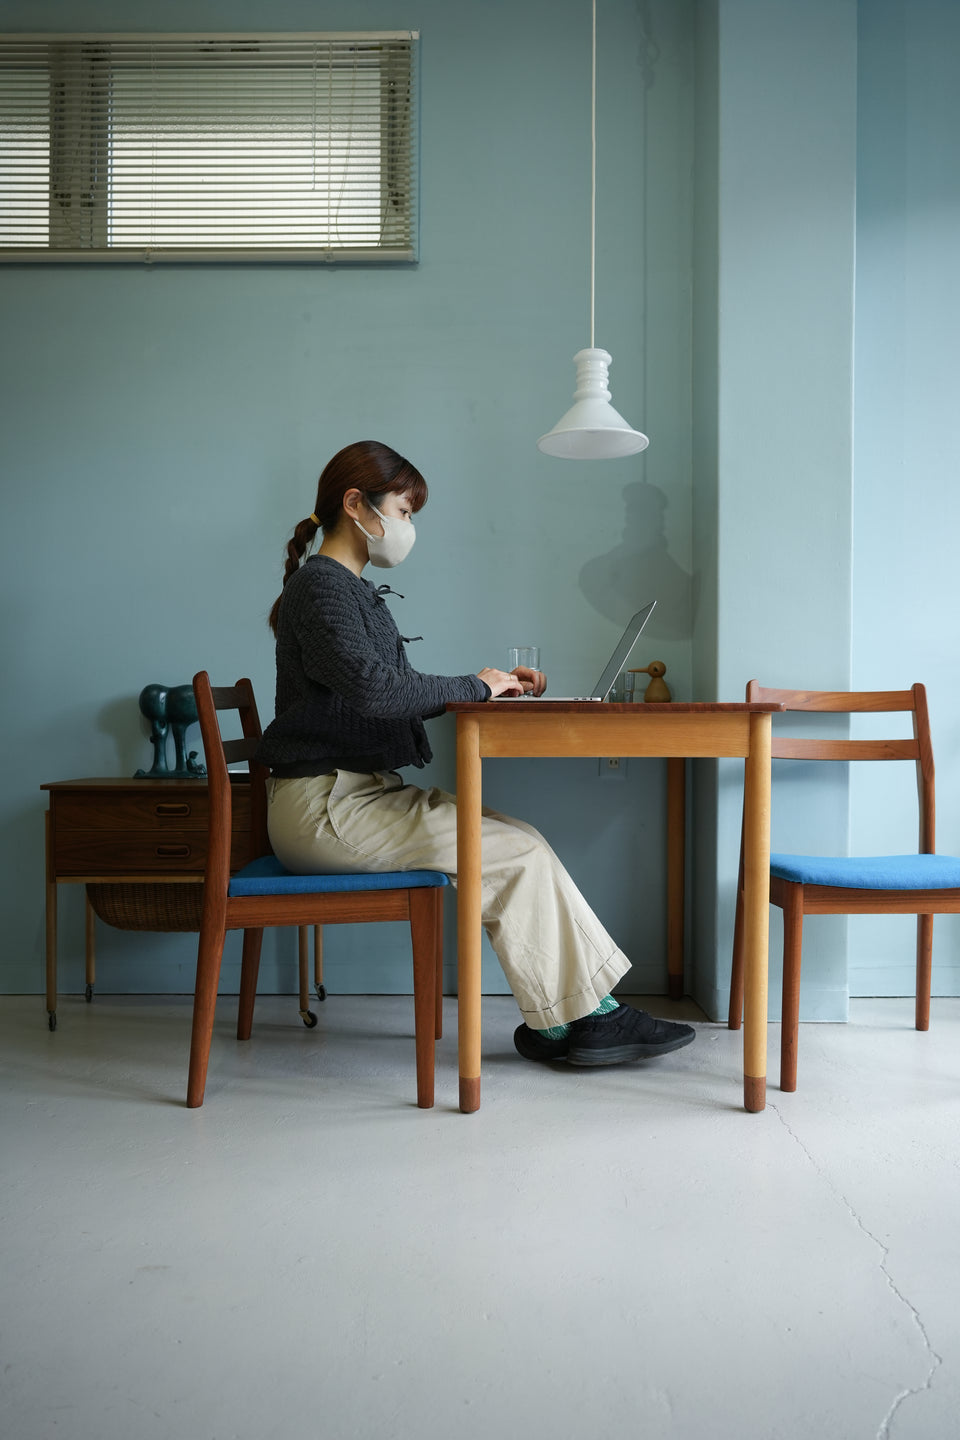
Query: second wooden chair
{"points": [[922, 883]]}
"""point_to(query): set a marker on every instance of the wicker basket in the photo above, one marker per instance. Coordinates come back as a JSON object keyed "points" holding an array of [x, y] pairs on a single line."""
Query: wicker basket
{"points": [[148, 907]]}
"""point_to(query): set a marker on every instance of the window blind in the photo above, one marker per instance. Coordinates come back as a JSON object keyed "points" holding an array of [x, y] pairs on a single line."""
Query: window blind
{"points": [[206, 147]]}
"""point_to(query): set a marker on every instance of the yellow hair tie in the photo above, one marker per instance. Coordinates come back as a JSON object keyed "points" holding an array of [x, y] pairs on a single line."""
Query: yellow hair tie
{"points": [[313, 517]]}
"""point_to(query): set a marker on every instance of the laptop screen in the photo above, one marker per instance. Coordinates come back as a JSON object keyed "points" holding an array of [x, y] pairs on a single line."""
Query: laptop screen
{"points": [[621, 654]]}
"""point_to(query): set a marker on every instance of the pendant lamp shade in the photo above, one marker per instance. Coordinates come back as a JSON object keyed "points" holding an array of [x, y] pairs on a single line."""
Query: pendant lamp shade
{"points": [[591, 428]]}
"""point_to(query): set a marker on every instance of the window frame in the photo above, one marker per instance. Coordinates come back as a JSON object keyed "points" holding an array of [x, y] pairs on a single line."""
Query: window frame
{"points": [[74, 117]]}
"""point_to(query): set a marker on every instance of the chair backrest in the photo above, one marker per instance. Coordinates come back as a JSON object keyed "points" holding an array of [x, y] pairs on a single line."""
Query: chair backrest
{"points": [[219, 754], [860, 702]]}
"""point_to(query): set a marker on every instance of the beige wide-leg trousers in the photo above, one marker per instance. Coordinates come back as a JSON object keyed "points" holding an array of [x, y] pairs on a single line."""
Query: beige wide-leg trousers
{"points": [[557, 957]]}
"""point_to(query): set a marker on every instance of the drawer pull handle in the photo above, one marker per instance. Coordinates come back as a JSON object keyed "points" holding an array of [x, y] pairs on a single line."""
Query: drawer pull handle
{"points": [[167, 852], [173, 809]]}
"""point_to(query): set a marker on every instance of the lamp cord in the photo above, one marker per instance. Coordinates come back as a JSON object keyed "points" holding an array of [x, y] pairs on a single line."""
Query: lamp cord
{"points": [[593, 179]]}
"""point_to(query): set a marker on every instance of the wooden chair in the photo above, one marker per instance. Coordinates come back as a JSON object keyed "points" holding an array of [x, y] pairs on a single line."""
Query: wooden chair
{"points": [[263, 893], [922, 884]]}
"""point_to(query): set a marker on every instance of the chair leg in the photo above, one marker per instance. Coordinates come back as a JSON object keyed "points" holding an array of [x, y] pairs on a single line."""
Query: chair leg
{"points": [[209, 956], [303, 958], [735, 1015], [438, 981], [924, 969], [790, 1012], [249, 969], [423, 928]]}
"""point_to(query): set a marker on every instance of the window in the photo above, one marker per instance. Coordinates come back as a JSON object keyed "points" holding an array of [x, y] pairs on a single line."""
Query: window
{"points": [[208, 147]]}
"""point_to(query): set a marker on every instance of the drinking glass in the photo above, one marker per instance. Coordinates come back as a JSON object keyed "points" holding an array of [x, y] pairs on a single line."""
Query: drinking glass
{"points": [[528, 655]]}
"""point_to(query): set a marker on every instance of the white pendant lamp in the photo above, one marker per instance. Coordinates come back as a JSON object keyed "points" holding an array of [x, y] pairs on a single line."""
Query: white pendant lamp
{"points": [[591, 428]]}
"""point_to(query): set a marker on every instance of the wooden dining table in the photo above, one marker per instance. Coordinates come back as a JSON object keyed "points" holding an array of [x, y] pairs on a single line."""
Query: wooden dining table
{"points": [[564, 728]]}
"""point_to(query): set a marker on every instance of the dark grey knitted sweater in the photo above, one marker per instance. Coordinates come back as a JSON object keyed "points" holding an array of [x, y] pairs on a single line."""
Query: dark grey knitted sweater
{"points": [[347, 696]]}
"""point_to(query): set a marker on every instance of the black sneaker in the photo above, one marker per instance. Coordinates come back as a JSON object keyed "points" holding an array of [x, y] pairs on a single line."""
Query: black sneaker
{"points": [[534, 1046], [624, 1034]]}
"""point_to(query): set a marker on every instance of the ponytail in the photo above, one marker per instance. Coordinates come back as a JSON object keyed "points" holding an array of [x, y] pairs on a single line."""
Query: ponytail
{"points": [[296, 549]]}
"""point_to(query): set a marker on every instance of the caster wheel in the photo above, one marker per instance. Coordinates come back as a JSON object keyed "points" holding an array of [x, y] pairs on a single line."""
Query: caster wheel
{"points": [[52, 1020], [308, 1018], [88, 994], [321, 992]]}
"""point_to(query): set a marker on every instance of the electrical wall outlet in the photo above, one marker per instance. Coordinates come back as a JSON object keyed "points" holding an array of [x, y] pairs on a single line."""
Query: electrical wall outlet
{"points": [[613, 767]]}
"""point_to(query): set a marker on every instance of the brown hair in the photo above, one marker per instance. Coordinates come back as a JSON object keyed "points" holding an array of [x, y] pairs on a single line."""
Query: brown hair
{"points": [[373, 469]]}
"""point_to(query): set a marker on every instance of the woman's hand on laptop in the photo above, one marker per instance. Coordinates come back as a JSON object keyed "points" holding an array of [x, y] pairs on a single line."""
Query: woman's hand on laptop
{"points": [[534, 682], [502, 683]]}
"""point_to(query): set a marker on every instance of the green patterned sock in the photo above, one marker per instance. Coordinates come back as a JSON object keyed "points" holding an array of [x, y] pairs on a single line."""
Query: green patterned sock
{"points": [[557, 1032]]}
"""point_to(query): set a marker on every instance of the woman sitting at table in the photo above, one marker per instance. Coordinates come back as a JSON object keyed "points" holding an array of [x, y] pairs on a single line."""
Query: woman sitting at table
{"points": [[349, 715]]}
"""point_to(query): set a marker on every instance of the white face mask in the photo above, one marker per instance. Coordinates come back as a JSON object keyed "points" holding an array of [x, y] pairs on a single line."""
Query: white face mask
{"points": [[393, 545]]}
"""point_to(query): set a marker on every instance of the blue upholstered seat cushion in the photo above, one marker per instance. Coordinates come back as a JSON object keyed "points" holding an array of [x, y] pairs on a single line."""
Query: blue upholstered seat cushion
{"points": [[870, 872], [267, 876]]}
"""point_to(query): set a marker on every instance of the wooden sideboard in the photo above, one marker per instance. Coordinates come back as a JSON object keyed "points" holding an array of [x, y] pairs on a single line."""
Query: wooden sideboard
{"points": [[141, 838]]}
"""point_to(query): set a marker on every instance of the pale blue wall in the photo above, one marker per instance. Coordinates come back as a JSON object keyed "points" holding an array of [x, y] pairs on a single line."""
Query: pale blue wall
{"points": [[162, 431], [774, 364], [707, 969], [907, 502], [825, 510]]}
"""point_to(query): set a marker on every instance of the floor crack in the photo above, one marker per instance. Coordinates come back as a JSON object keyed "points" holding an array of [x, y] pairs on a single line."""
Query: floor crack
{"points": [[935, 1359]]}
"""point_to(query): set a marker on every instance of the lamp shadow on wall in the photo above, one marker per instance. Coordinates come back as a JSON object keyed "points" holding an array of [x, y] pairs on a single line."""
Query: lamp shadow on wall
{"points": [[641, 568]]}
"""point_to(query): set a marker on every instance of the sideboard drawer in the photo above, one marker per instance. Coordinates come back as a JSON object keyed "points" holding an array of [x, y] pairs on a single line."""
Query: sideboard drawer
{"points": [[137, 813], [124, 852]]}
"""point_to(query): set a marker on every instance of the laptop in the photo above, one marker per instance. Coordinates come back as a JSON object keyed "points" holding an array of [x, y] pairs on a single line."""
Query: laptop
{"points": [[611, 670]]}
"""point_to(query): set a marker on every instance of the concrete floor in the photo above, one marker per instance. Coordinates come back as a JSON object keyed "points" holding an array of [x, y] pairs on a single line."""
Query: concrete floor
{"points": [[621, 1253]]}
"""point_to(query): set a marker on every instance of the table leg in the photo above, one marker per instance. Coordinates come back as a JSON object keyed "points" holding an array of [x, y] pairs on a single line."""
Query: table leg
{"points": [[676, 822], [468, 909], [318, 984], [90, 945], [756, 911], [51, 936]]}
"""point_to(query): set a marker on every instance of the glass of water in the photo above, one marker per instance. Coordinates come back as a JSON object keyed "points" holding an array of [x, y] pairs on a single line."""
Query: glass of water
{"points": [[528, 655]]}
